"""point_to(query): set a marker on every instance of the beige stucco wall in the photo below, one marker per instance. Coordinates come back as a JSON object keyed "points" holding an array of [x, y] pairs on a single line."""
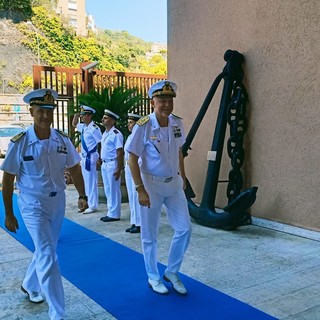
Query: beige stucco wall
{"points": [[74, 10], [280, 42]]}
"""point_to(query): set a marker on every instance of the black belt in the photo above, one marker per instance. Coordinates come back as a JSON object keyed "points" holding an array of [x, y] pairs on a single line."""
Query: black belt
{"points": [[108, 160]]}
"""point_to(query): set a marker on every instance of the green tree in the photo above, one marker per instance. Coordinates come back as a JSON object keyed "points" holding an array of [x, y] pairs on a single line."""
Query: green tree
{"points": [[60, 46], [16, 10], [157, 64]]}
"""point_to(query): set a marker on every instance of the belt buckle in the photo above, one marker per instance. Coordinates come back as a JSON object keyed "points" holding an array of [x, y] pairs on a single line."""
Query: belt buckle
{"points": [[52, 194], [166, 180]]}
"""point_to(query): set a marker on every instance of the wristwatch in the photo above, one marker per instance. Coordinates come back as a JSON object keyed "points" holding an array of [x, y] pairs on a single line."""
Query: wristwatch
{"points": [[138, 186], [83, 197]]}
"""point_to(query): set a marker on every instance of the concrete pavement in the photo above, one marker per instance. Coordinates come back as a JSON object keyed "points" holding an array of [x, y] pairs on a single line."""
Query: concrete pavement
{"points": [[273, 271]]}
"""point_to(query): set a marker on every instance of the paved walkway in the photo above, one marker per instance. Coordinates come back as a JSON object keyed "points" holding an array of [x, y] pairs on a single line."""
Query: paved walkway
{"points": [[273, 271]]}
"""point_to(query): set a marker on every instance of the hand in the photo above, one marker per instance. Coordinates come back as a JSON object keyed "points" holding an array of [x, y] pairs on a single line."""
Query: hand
{"points": [[98, 164], [82, 204], [143, 197], [11, 223], [117, 174]]}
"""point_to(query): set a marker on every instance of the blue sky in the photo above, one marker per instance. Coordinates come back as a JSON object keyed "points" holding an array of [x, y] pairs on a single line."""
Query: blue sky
{"points": [[146, 19]]}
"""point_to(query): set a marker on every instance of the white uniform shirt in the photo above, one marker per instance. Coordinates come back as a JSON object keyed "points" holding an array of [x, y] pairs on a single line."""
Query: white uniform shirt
{"points": [[39, 164], [91, 135], [158, 147], [110, 142], [126, 153]]}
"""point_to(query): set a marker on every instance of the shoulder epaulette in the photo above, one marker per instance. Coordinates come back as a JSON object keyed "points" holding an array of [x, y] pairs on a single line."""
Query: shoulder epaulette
{"points": [[96, 126], [62, 133], [143, 120], [115, 131], [18, 136], [176, 116]]}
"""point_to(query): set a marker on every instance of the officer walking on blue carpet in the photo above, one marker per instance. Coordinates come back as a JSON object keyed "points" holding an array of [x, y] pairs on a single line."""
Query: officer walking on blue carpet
{"points": [[37, 158], [157, 167], [90, 137], [112, 165]]}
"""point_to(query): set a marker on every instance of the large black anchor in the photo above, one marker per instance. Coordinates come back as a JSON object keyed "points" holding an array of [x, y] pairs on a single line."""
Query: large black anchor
{"points": [[232, 110]]}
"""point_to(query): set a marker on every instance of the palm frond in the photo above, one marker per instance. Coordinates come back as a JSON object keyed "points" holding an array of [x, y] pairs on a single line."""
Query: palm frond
{"points": [[118, 100]]}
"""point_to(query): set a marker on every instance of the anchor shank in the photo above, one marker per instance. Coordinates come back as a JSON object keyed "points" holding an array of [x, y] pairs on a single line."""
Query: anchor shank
{"points": [[231, 72]]}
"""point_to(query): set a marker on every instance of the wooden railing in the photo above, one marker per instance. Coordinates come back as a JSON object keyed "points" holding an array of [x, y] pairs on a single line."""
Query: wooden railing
{"points": [[70, 82]]}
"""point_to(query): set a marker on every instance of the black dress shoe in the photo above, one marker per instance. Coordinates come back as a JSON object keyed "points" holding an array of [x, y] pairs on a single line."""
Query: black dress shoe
{"points": [[129, 229], [135, 229], [109, 219]]}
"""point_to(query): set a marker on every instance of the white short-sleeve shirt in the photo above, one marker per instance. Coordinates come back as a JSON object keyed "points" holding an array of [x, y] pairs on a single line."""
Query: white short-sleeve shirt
{"points": [[39, 164], [110, 142], [91, 134], [158, 147]]}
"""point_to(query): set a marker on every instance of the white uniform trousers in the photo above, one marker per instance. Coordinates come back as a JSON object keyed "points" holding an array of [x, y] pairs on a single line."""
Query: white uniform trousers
{"points": [[91, 181], [132, 197], [172, 196], [111, 188], [43, 217]]}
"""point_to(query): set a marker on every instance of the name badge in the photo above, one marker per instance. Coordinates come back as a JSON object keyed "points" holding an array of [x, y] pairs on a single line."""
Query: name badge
{"points": [[62, 149], [177, 132]]}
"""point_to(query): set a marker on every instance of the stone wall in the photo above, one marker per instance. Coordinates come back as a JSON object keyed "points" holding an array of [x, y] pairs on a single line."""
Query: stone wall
{"points": [[15, 59]]}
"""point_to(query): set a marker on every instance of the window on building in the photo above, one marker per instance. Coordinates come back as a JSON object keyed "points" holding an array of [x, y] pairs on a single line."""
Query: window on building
{"points": [[72, 5], [73, 22]]}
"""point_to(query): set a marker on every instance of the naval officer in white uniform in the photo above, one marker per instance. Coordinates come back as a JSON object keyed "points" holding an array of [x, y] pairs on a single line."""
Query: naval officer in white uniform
{"points": [[90, 138], [132, 194], [37, 159], [160, 180], [112, 165]]}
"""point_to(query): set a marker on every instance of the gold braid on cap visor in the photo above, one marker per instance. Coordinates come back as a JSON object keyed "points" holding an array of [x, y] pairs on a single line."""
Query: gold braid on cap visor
{"points": [[47, 99], [166, 90]]}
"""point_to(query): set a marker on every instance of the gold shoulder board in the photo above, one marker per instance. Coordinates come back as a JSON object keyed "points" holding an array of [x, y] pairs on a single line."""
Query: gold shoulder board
{"points": [[18, 136], [176, 116], [62, 133], [143, 120]]}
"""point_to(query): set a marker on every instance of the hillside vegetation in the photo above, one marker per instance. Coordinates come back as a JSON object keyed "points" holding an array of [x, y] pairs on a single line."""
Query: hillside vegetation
{"points": [[60, 46]]}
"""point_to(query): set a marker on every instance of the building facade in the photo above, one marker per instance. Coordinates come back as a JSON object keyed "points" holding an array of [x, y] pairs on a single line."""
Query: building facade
{"points": [[74, 12], [280, 42]]}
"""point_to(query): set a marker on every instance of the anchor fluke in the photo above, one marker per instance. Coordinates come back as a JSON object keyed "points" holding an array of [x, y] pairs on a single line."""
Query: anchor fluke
{"points": [[228, 218]]}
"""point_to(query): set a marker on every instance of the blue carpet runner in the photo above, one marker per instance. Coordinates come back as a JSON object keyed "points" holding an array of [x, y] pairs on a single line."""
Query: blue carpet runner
{"points": [[114, 277]]}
